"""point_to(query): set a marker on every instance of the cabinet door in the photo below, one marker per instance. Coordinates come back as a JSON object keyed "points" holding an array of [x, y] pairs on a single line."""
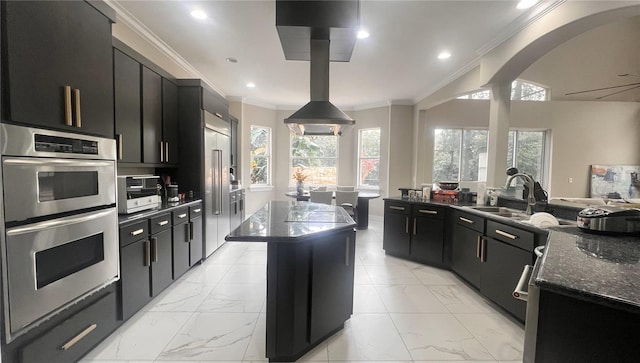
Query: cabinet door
{"points": [[195, 247], [135, 289], [501, 271], [465, 250], [161, 269], [181, 240], [151, 116], [332, 283], [234, 145], [54, 44], [127, 107], [427, 239], [170, 121], [396, 235]]}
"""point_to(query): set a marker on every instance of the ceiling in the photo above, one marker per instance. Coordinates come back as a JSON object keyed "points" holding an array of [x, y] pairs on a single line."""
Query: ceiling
{"points": [[398, 63]]}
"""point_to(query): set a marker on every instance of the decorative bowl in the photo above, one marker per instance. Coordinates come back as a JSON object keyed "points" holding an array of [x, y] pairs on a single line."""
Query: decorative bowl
{"points": [[448, 185]]}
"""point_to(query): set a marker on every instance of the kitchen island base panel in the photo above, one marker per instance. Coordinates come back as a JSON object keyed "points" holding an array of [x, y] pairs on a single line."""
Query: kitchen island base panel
{"points": [[309, 293]]}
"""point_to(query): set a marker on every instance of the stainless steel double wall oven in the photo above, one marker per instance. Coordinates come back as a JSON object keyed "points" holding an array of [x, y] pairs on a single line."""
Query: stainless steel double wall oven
{"points": [[59, 239]]}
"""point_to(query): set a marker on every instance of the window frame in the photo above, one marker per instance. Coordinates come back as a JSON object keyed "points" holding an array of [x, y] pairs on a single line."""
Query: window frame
{"points": [[358, 181], [292, 168], [267, 156], [546, 153]]}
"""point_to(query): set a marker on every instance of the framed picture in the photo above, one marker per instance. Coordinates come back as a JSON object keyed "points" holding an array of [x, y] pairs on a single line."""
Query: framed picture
{"points": [[615, 181]]}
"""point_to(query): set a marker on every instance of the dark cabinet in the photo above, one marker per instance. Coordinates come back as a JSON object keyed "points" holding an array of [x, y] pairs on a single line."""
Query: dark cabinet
{"points": [[161, 262], [58, 65], [236, 208], [152, 146], [135, 260], [181, 240], [170, 121], [466, 243], [127, 107], [195, 228], [414, 231]]}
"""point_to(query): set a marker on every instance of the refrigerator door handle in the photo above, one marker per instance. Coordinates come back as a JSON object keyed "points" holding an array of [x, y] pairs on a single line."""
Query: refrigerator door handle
{"points": [[217, 185], [220, 189]]}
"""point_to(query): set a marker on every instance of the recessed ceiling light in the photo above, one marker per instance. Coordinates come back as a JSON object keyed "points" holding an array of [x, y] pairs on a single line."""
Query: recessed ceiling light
{"points": [[199, 14], [362, 34], [444, 55], [231, 60], [251, 85], [526, 4]]}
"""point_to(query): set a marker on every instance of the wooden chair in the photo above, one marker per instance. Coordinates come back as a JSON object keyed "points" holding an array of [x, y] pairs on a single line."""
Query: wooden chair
{"points": [[344, 188], [320, 197], [348, 201]]}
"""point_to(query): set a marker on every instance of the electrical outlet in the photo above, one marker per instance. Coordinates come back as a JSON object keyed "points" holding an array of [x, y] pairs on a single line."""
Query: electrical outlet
{"points": [[570, 180]]}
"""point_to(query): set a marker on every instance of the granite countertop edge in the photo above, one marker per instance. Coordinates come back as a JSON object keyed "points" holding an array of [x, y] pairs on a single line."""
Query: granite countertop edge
{"points": [[291, 239]]}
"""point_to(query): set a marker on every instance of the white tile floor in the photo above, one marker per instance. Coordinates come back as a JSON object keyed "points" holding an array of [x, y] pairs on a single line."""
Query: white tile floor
{"points": [[403, 312]]}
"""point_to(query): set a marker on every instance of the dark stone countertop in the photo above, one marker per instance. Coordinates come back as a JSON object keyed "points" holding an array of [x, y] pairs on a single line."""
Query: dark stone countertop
{"points": [[598, 268], [124, 219], [292, 222]]}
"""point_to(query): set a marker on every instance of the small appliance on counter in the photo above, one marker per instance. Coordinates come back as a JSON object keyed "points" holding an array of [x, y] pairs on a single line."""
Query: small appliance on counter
{"points": [[137, 193], [172, 193], [610, 220]]}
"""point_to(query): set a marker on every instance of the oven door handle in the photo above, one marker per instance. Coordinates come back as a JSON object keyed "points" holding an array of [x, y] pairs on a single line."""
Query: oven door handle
{"points": [[56, 223], [519, 292]]}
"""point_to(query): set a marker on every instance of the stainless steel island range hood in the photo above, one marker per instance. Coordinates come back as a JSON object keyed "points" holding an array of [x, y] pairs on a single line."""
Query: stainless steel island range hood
{"points": [[306, 30]]}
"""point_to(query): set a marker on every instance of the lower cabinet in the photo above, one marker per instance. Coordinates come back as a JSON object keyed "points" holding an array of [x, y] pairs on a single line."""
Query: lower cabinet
{"points": [[161, 261], [195, 234], [135, 285], [465, 254], [180, 242]]}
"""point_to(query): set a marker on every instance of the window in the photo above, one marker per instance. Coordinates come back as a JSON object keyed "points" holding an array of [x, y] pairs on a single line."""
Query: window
{"points": [[316, 157], [526, 152], [260, 155], [460, 155], [369, 157], [520, 91]]}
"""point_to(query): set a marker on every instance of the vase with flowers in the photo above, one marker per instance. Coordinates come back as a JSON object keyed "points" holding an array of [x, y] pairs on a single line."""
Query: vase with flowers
{"points": [[299, 176]]}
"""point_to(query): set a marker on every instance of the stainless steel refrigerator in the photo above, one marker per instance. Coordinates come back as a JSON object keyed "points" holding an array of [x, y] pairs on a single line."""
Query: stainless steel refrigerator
{"points": [[216, 151]]}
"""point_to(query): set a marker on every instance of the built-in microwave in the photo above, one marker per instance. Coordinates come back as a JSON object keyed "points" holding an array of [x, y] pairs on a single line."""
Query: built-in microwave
{"points": [[137, 193]]}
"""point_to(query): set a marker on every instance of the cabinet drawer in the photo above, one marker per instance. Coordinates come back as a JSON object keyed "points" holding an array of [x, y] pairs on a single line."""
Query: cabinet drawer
{"points": [[427, 211], [469, 220], [181, 215], [511, 235], [397, 207], [195, 211], [133, 232], [159, 223], [74, 337]]}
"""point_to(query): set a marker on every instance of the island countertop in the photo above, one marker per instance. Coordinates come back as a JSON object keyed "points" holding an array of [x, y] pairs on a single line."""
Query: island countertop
{"points": [[291, 222]]}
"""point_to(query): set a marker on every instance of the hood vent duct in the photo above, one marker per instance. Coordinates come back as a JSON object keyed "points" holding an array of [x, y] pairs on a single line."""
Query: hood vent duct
{"points": [[316, 24]]}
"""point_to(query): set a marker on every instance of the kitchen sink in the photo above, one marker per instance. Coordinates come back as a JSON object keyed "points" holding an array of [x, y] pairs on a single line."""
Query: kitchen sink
{"points": [[515, 214]]}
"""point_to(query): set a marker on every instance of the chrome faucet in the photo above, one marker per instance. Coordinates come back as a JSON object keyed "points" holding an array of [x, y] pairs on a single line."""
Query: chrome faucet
{"points": [[530, 183]]}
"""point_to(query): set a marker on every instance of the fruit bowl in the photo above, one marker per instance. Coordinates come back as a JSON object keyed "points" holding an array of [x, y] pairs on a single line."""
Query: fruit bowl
{"points": [[448, 185]]}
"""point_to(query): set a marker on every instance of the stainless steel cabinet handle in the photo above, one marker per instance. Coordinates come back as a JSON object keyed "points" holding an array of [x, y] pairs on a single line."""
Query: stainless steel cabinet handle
{"points": [[483, 250], [161, 152], [187, 232], [183, 215], [218, 114], [119, 146], [190, 231], [406, 225], [396, 208], [197, 210], [426, 211], [346, 252], [414, 226], [505, 234], [166, 151], [137, 232], [163, 223], [478, 247], [466, 220], [67, 106], [79, 337], [519, 292], [147, 253], [155, 249], [76, 94]]}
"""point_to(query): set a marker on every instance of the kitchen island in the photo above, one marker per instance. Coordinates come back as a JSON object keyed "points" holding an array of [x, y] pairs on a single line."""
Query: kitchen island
{"points": [[310, 272]]}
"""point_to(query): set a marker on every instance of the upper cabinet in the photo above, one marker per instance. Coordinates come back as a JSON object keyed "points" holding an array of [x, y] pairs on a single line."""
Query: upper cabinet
{"points": [[170, 121], [126, 75], [153, 147], [58, 66]]}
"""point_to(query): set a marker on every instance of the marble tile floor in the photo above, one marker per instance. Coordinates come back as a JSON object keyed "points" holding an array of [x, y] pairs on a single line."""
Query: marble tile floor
{"points": [[403, 312]]}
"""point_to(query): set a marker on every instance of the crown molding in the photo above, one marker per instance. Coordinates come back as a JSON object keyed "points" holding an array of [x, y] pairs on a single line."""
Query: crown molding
{"points": [[128, 19], [452, 77]]}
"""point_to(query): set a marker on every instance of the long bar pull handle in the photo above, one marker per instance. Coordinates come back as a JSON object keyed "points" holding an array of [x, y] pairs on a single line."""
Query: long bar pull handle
{"points": [[406, 225], [161, 152], [78, 337], [137, 232], [190, 231], [346, 252], [478, 247], [396, 208], [120, 137], [217, 187], [415, 226], [505, 234], [166, 151], [76, 93], [187, 232], [197, 210], [182, 215], [147, 253], [155, 249], [426, 211], [67, 106], [163, 223], [466, 220], [483, 250], [218, 114], [220, 180], [519, 292]]}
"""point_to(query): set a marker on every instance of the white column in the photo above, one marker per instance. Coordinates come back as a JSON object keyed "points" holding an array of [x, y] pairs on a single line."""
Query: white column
{"points": [[499, 111]]}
